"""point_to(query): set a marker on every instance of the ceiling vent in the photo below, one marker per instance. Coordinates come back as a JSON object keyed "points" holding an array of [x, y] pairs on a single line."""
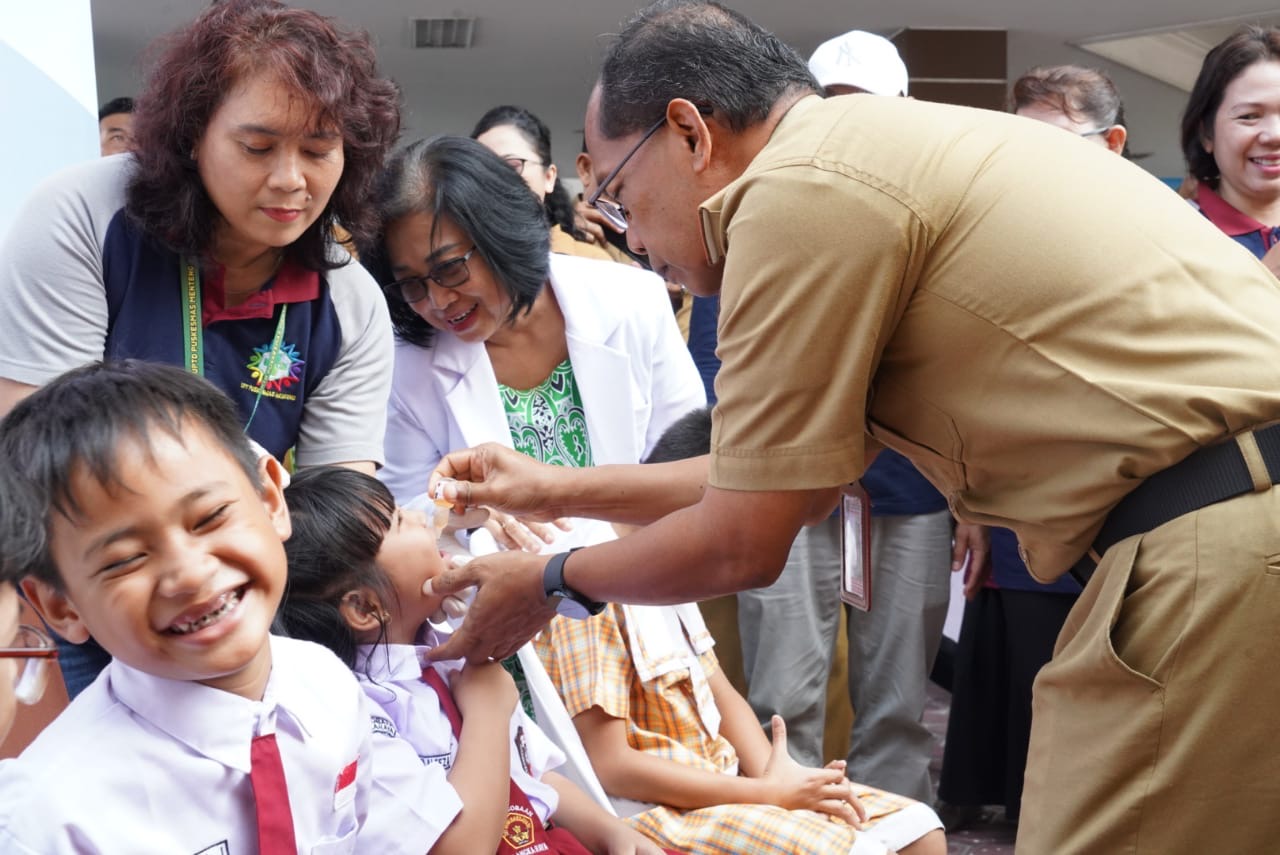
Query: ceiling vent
{"points": [[443, 32]]}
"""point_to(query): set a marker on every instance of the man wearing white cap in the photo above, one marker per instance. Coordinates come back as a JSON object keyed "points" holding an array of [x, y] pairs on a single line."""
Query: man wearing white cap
{"points": [[859, 61]]}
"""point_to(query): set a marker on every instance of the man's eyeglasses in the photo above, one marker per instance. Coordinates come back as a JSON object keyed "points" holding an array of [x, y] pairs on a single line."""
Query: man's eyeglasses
{"points": [[1096, 131], [36, 650], [517, 163], [612, 209], [447, 274]]}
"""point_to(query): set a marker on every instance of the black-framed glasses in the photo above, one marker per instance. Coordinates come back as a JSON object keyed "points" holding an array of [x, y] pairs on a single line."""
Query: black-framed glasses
{"points": [[36, 649], [517, 163], [612, 209], [446, 274]]}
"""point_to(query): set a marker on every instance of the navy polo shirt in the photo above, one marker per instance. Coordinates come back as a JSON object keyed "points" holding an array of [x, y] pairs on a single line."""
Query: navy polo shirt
{"points": [[145, 321], [897, 488], [1239, 226], [1010, 573], [703, 319]]}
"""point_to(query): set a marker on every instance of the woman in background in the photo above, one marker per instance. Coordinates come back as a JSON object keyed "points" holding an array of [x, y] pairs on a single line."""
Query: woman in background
{"points": [[1081, 100], [1231, 139], [522, 140]]}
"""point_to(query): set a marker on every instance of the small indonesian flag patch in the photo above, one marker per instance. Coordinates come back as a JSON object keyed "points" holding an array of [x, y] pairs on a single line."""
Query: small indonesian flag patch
{"points": [[344, 789]]}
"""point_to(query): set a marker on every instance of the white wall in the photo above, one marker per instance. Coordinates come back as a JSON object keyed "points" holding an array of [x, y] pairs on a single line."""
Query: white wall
{"points": [[48, 96]]}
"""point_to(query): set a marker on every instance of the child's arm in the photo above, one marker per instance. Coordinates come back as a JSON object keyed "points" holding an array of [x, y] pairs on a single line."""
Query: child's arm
{"points": [[825, 790], [632, 774], [596, 828], [739, 725], [481, 773]]}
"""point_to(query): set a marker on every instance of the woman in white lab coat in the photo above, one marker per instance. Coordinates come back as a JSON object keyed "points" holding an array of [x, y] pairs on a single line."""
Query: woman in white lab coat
{"points": [[574, 361]]}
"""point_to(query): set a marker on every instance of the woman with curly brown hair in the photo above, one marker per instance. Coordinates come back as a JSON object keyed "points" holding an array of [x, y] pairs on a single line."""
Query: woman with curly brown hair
{"points": [[260, 130]]}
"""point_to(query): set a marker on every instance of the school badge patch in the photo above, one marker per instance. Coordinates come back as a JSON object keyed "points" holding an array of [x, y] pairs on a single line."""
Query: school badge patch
{"points": [[518, 831]]}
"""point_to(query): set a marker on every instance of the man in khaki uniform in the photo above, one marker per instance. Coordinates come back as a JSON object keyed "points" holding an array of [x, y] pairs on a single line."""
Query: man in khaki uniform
{"points": [[1049, 334]]}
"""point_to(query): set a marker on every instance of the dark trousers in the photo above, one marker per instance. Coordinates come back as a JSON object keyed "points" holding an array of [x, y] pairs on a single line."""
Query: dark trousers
{"points": [[1005, 638]]}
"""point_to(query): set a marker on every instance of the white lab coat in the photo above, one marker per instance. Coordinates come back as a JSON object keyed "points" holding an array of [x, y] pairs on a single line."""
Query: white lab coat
{"points": [[632, 368]]}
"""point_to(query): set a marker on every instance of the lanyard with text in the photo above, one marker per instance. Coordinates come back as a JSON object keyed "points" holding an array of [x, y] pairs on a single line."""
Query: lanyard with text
{"points": [[193, 333]]}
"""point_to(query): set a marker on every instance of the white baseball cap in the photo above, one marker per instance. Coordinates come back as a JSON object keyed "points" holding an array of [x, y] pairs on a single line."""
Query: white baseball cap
{"points": [[860, 59]]}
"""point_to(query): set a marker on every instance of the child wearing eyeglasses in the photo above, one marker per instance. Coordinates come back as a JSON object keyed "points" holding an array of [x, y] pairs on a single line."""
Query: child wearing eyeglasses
{"points": [[357, 564], [158, 531]]}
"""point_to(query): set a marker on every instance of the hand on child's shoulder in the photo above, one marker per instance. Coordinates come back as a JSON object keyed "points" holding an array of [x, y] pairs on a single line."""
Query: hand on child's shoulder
{"points": [[484, 685]]}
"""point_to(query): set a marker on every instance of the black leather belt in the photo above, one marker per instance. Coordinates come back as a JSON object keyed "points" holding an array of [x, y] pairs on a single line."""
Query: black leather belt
{"points": [[1208, 475]]}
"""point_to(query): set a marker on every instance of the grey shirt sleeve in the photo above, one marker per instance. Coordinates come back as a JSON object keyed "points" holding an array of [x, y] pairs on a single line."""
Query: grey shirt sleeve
{"points": [[346, 416], [53, 307]]}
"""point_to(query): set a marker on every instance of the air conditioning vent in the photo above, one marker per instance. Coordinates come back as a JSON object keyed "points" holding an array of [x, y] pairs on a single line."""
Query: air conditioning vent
{"points": [[443, 32]]}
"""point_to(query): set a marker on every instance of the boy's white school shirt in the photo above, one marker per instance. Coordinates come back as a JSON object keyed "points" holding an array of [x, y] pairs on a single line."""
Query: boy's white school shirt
{"points": [[391, 675], [142, 764]]}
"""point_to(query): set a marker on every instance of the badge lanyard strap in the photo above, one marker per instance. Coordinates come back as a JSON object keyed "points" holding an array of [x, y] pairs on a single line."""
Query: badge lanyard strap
{"points": [[193, 335]]}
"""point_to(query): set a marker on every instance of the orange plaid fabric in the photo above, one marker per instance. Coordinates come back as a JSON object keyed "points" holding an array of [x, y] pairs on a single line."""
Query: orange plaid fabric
{"points": [[589, 662]]}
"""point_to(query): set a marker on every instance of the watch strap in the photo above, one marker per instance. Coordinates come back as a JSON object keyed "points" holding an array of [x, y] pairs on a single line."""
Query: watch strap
{"points": [[553, 584]]}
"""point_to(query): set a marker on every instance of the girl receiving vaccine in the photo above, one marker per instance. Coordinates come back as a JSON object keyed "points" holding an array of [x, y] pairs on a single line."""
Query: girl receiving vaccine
{"points": [[357, 564]]}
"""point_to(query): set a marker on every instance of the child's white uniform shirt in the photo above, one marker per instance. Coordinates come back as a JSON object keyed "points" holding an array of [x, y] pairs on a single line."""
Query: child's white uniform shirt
{"points": [[142, 764], [391, 675]]}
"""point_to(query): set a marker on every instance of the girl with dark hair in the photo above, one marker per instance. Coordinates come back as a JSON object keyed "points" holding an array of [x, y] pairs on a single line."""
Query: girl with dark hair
{"points": [[523, 140], [1231, 139], [260, 130], [571, 360], [357, 564]]}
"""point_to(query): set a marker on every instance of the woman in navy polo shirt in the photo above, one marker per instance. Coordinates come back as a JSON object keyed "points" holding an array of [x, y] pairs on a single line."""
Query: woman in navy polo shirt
{"points": [[1231, 139], [259, 131]]}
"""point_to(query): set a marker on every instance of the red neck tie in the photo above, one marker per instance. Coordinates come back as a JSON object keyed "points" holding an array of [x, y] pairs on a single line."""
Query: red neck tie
{"points": [[271, 795], [432, 678]]}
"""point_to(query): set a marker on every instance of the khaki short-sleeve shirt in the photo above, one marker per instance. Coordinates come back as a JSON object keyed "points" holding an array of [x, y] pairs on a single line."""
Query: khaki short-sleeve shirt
{"points": [[1035, 322]]}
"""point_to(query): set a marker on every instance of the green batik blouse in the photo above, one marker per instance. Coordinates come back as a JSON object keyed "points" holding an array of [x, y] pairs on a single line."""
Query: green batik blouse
{"points": [[549, 424]]}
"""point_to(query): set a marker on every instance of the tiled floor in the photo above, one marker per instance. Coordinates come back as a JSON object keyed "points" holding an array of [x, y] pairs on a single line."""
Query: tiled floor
{"points": [[992, 835]]}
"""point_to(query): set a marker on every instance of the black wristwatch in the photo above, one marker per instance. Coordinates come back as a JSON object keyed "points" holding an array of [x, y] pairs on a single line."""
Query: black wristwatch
{"points": [[568, 602]]}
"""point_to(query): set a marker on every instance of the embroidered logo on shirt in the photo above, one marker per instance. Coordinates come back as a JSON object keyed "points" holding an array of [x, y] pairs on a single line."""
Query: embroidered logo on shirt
{"points": [[522, 748], [383, 726], [277, 378], [437, 759], [344, 789], [518, 831]]}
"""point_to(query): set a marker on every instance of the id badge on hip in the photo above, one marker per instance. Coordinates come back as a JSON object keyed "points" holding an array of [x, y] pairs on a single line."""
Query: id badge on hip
{"points": [[855, 547]]}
